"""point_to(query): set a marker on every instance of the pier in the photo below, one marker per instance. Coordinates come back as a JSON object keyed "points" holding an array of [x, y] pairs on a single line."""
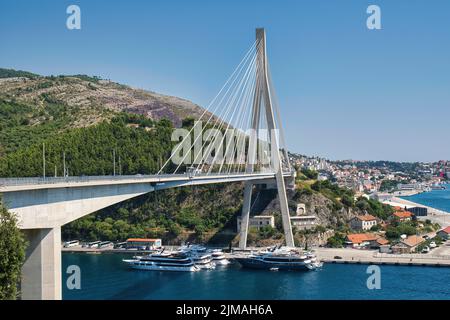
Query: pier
{"points": [[440, 257]]}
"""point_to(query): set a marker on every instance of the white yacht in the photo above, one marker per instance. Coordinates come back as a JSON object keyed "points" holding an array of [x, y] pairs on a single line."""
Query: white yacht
{"points": [[163, 261], [219, 258], [282, 258], [202, 259]]}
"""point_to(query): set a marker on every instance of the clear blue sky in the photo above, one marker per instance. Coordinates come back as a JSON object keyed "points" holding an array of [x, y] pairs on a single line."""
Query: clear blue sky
{"points": [[345, 91]]}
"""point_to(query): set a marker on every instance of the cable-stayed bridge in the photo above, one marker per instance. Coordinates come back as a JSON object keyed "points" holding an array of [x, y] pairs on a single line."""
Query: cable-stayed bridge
{"points": [[238, 138]]}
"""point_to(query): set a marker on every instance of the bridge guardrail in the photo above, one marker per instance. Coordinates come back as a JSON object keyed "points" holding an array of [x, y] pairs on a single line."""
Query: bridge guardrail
{"points": [[75, 179], [81, 179]]}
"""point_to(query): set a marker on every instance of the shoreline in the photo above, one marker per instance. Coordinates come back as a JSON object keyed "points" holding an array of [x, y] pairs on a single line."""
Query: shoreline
{"points": [[355, 256], [431, 210], [326, 255], [435, 215]]}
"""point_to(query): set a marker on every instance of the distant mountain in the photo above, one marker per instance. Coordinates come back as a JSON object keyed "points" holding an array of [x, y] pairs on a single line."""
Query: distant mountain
{"points": [[91, 99], [11, 73]]}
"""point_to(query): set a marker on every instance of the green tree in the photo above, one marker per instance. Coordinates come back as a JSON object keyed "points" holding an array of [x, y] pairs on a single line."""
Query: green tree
{"points": [[310, 174], [12, 254], [347, 200], [336, 241]]}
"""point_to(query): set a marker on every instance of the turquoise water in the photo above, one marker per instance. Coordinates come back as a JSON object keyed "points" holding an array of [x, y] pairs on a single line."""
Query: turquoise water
{"points": [[106, 277], [439, 199]]}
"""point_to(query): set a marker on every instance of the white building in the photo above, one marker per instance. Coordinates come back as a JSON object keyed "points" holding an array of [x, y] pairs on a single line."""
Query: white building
{"points": [[303, 222], [364, 222], [257, 222]]}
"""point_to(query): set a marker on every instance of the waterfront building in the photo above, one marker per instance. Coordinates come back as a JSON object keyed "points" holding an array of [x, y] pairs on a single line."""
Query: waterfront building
{"points": [[385, 248], [364, 222], [402, 216], [400, 248], [407, 245], [257, 222], [444, 233], [379, 243], [418, 211], [141, 243], [360, 240]]}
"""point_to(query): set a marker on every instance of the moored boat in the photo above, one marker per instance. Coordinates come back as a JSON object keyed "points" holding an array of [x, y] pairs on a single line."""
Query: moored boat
{"points": [[219, 257], [280, 259], [164, 261], [201, 258]]}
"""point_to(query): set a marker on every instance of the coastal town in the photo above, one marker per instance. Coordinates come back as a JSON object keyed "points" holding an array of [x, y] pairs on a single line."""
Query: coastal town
{"points": [[378, 177]]}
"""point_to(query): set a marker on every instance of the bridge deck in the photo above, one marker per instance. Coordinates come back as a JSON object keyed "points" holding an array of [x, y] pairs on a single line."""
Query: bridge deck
{"points": [[33, 183]]}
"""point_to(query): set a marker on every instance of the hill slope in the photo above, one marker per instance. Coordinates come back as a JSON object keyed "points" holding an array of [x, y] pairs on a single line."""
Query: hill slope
{"points": [[92, 97]]}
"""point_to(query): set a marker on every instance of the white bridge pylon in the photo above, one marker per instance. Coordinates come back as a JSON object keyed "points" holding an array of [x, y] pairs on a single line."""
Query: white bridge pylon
{"points": [[263, 104], [239, 132]]}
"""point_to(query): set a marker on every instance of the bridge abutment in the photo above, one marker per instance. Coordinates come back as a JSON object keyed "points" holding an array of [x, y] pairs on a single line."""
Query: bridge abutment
{"points": [[41, 272]]}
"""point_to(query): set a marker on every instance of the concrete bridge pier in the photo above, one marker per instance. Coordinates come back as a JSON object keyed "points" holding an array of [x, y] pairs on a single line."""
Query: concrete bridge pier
{"points": [[246, 206], [41, 272]]}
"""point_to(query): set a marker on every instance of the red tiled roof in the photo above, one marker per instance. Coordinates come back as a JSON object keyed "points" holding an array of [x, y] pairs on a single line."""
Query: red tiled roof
{"points": [[401, 214], [413, 240], [366, 217], [446, 230], [382, 241], [361, 237]]}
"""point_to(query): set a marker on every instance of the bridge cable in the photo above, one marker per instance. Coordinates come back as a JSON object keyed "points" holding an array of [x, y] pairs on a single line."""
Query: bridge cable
{"points": [[252, 48]]}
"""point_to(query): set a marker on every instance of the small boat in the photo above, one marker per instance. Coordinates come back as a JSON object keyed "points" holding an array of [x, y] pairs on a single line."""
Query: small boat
{"points": [[163, 261], [274, 269]]}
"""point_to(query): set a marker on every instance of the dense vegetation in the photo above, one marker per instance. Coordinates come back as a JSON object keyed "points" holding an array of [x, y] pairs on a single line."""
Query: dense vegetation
{"points": [[89, 151], [22, 125], [171, 214], [12, 254], [374, 207], [339, 196], [397, 228], [337, 240], [388, 185]]}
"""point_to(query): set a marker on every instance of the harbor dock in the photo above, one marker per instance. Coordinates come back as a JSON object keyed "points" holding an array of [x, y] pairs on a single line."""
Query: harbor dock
{"points": [[439, 258]]}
